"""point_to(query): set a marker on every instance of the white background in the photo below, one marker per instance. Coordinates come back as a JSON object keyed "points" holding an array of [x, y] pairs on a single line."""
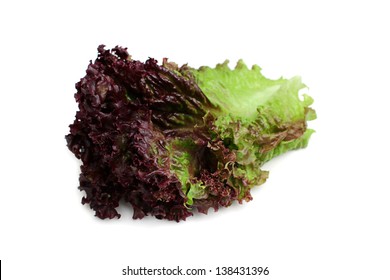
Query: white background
{"points": [[323, 213]]}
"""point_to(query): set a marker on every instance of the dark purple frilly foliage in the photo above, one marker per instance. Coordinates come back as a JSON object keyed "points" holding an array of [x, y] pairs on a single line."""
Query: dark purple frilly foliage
{"points": [[128, 110]]}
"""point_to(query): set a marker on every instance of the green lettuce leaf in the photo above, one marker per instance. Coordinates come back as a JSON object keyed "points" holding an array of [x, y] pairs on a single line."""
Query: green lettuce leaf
{"points": [[257, 118]]}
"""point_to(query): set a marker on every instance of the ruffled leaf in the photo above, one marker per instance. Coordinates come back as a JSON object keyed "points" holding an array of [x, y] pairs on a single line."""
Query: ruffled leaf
{"points": [[168, 139]]}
